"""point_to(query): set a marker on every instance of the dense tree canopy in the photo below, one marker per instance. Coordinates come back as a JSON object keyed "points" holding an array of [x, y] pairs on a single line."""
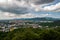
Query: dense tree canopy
{"points": [[31, 34]]}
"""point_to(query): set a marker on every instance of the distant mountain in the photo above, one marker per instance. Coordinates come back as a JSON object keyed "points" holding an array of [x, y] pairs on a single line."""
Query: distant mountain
{"points": [[40, 19], [34, 19]]}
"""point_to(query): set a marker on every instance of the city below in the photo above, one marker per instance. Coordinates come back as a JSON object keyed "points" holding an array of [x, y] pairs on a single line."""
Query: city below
{"points": [[10, 25]]}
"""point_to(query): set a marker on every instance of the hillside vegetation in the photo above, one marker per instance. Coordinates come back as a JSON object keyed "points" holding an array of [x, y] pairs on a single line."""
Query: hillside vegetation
{"points": [[32, 34]]}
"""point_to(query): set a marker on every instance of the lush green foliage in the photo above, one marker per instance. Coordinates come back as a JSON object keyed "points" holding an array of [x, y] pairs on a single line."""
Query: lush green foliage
{"points": [[31, 34]]}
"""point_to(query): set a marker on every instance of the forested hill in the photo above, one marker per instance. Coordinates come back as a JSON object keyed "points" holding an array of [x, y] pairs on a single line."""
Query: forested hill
{"points": [[40, 19], [31, 34]]}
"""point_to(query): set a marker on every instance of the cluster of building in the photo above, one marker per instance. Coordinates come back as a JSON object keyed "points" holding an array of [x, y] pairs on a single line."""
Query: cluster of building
{"points": [[10, 25], [14, 24]]}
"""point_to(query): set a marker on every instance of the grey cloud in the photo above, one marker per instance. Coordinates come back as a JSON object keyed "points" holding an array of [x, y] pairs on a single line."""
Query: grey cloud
{"points": [[22, 10], [43, 1], [37, 1], [17, 10]]}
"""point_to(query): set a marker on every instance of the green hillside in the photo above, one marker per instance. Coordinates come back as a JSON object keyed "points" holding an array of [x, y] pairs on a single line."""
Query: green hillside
{"points": [[31, 34]]}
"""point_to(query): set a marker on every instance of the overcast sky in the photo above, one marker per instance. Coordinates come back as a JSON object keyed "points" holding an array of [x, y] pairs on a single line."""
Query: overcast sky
{"points": [[10, 9]]}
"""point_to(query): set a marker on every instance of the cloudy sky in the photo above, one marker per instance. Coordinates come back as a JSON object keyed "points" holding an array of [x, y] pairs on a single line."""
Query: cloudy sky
{"points": [[11, 9]]}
